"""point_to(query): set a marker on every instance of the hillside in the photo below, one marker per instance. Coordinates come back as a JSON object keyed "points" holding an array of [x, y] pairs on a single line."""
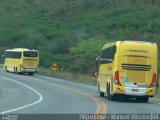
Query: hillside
{"points": [[72, 32]]}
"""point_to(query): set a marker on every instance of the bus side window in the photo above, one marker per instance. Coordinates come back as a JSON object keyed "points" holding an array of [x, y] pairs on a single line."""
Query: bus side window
{"points": [[107, 55], [16, 55]]}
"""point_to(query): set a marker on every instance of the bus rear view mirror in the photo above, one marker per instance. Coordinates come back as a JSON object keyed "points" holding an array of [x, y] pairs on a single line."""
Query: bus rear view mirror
{"points": [[96, 74]]}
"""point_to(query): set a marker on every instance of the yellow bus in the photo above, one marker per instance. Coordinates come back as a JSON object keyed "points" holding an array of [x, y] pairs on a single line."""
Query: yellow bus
{"points": [[21, 60], [127, 69]]}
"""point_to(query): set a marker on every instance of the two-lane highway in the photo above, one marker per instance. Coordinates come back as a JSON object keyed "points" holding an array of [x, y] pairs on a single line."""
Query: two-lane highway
{"points": [[40, 94]]}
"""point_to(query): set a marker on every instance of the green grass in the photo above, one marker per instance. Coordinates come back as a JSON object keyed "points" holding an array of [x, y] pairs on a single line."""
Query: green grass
{"points": [[84, 79]]}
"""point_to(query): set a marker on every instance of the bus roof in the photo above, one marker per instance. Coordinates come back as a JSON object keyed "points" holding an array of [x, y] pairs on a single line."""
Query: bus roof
{"points": [[21, 49], [117, 43], [134, 42]]}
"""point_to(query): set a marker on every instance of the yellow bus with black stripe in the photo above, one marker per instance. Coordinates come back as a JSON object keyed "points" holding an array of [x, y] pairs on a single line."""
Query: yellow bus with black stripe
{"points": [[127, 69]]}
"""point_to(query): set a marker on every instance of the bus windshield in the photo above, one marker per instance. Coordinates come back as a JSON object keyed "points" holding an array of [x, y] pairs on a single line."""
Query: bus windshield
{"points": [[30, 54]]}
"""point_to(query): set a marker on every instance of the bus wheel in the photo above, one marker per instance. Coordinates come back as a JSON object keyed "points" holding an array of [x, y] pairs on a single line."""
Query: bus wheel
{"points": [[138, 99], [6, 69], [16, 71], [101, 94], [108, 93], [31, 73], [145, 99], [109, 96]]}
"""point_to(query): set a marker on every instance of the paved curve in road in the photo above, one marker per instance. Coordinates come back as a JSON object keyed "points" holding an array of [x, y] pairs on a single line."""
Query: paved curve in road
{"points": [[40, 94]]}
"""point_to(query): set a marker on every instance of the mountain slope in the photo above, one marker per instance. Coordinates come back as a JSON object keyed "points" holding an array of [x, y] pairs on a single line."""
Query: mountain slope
{"points": [[58, 27]]}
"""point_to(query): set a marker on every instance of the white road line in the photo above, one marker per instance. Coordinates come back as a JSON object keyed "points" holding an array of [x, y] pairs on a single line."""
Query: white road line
{"points": [[25, 106]]}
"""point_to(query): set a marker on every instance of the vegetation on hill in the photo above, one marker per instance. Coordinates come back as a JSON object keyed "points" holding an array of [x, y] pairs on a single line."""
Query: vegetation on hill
{"points": [[72, 32]]}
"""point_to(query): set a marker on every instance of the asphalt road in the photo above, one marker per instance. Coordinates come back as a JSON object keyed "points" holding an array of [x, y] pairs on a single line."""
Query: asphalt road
{"points": [[45, 95], [40, 94]]}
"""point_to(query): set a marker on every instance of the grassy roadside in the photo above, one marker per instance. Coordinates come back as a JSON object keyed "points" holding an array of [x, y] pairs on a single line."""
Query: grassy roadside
{"points": [[1, 65], [68, 76]]}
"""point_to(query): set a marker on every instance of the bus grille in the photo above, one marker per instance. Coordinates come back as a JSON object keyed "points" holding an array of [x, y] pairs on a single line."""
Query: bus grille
{"points": [[137, 67]]}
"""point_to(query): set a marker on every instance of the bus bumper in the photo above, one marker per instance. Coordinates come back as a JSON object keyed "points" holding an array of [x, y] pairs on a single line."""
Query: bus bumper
{"points": [[30, 70], [133, 91]]}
